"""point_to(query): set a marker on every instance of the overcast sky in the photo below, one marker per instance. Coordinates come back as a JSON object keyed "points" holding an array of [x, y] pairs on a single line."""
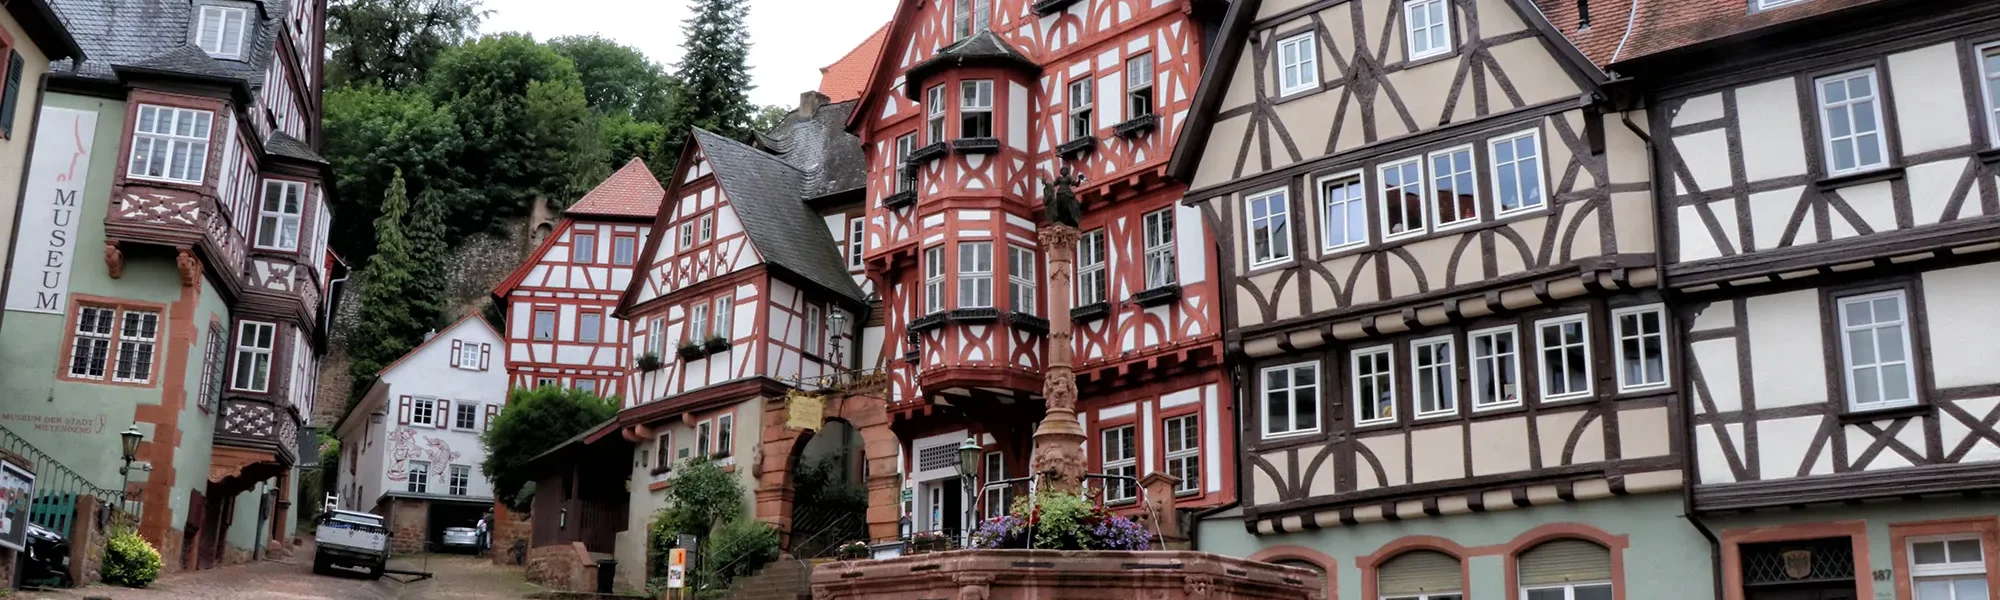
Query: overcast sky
{"points": [[789, 39]]}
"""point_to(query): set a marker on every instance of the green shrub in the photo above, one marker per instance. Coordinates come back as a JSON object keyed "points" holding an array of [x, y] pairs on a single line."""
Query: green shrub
{"points": [[130, 561], [738, 549]]}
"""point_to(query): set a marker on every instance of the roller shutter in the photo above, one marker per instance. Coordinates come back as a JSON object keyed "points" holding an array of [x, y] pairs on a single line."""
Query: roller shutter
{"points": [[1564, 561], [1419, 572]]}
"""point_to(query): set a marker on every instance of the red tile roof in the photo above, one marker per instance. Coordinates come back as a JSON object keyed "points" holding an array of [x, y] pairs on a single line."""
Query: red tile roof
{"points": [[844, 79], [631, 192], [1661, 25]]}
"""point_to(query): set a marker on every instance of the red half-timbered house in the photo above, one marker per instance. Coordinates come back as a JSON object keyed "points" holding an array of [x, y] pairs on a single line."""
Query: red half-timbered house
{"points": [[972, 105], [559, 303]]}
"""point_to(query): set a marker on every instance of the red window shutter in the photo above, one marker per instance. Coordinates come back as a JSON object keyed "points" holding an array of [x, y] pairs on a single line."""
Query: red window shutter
{"points": [[455, 346], [492, 411], [403, 410], [441, 418], [485, 356]]}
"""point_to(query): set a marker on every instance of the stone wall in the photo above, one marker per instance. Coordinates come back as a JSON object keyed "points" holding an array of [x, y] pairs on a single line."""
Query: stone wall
{"points": [[409, 525], [509, 527], [563, 567]]}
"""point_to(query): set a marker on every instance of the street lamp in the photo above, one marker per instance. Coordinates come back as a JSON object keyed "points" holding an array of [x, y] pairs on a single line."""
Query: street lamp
{"points": [[968, 470], [839, 322], [130, 448]]}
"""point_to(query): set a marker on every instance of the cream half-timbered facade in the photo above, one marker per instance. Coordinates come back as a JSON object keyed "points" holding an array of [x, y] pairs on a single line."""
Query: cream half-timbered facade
{"points": [[559, 303], [1441, 272]]}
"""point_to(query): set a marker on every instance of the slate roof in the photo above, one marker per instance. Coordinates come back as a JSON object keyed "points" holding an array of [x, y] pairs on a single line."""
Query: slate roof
{"points": [[283, 144], [768, 196], [153, 35], [844, 79], [1659, 26], [821, 147], [983, 48], [630, 192]]}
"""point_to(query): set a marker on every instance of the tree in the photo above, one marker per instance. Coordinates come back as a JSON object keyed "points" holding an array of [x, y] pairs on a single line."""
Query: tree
{"points": [[535, 421], [626, 138], [521, 109], [394, 42], [768, 118], [617, 79], [714, 94], [430, 257], [374, 134], [385, 329]]}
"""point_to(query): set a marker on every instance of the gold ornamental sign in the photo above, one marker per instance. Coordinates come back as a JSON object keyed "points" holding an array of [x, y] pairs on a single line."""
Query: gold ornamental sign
{"points": [[1798, 563], [804, 410]]}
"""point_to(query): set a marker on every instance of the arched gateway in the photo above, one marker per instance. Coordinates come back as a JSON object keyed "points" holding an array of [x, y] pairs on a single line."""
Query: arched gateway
{"points": [[791, 423]]}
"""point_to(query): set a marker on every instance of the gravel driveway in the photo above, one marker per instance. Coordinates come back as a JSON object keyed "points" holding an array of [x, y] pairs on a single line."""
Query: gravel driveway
{"points": [[456, 576]]}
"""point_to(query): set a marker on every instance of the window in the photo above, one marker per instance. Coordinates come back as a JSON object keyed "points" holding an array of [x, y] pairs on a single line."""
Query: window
{"points": [[1565, 570], [1374, 386], [1642, 344], [725, 313], [1875, 347], [1184, 453], [1452, 181], [1851, 119], [687, 234], [468, 355], [933, 279], [1496, 368], [214, 362], [542, 382], [857, 231], [1948, 569], [1769, 4], [590, 327], [583, 248], [663, 448], [1429, 28], [461, 475], [1092, 278], [725, 426], [423, 411], [1121, 465], [419, 476], [1139, 86], [1270, 231], [278, 216], [1161, 268], [1436, 378], [1517, 172], [656, 337], [253, 355], [545, 324], [1080, 101], [1565, 344], [1402, 198], [221, 33], [170, 144], [585, 385], [1298, 64], [975, 275], [969, 17], [1021, 279], [975, 109], [993, 497], [465, 415], [1421, 575], [1989, 75], [813, 332], [624, 250], [906, 175], [707, 227], [99, 329], [1344, 213], [701, 438], [1291, 400], [698, 323], [934, 102]]}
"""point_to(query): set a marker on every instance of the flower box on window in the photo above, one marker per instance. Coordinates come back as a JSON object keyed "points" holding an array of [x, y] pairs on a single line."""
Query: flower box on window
{"points": [[927, 322], [649, 362], [900, 199], [716, 344], [1090, 312], [1045, 8], [979, 145], [1165, 294], [1029, 323], [975, 315], [1137, 126], [929, 153], [691, 351], [1076, 148]]}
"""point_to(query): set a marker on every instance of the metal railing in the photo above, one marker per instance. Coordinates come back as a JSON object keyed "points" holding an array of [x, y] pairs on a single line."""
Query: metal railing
{"points": [[847, 382], [58, 488]]}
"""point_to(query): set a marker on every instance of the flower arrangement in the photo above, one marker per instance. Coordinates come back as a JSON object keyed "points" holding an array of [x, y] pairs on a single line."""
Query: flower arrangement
{"points": [[929, 541], [855, 550], [1061, 521]]}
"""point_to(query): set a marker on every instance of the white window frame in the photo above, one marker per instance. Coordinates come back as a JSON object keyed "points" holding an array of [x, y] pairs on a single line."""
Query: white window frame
{"points": [[724, 318], [1385, 378], [1182, 454], [1021, 291], [687, 234], [584, 385], [725, 435], [425, 406], [934, 279], [905, 173], [1444, 373], [103, 328], [656, 337], [1082, 101], [1440, 30], [586, 331], [1349, 180], [707, 227], [1470, 175], [1298, 54], [1619, 335], [1542, 356], [583, 248], [1847, 332], [975, 275], [1414, 225], [250, 355], [1162, 259], [147, 142], [1291, 391], [935, 107], [1541, 196], [1568, 588], [462, 408], [1279, 247], [993, 498], [975, 97], [664, 446], [278, 222], [417, 477], [1951, 570], [458, 480], [698, 322], [969, 17], [1513, 356], [814, 332], [226, 45], [1139, 78], [1828, 139], [468, 354], [857, 231], [1770, 4], [535, 321], [1093, 272], [624, 250], [1119, 491], [704, 438], [1989, 86]]}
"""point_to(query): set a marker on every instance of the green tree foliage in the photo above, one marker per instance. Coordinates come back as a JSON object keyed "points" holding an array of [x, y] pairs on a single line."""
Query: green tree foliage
{"points": [[707, 502], [392, 43], [518, 105], [371, 135], [386, 329], [535, 421], [768, 118], [430, 260], [714, 94], [618, 79], [626, 138]]}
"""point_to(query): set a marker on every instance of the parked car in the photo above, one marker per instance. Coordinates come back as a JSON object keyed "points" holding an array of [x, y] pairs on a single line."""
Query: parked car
{"points": [[461, 539], [353, 540], [46, 558]]}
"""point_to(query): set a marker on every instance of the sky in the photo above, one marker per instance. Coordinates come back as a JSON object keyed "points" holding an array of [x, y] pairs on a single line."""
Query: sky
{"points": [[789, 39]]}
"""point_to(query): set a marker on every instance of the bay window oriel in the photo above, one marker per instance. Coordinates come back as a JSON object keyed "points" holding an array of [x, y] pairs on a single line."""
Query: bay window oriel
{"points": [[975, 109], [171, 144], [279, 215], [254, 341]]}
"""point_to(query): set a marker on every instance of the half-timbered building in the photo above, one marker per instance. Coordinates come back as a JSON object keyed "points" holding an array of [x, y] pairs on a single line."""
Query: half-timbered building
{"points": [[1828, 222], [559, 302], [973, 105], [1441, 282]]}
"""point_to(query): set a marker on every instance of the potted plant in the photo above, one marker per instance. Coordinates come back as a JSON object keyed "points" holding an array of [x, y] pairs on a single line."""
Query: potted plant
{"points": [[1061, 521], [716, 344], [649, 362], [855, 550], [929, 541], [691, 351]]}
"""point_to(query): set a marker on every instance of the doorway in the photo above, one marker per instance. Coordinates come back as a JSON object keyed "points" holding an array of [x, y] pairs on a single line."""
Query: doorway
{"points": [[944, 506], [1814, 569], [1811, 592]]}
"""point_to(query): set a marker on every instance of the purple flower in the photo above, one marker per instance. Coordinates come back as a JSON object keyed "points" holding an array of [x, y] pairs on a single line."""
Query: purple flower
{"points": [[1120, 533]]}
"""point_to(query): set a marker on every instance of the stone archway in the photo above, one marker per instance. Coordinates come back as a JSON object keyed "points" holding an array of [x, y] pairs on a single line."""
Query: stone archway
{"points": [[782, 446]]}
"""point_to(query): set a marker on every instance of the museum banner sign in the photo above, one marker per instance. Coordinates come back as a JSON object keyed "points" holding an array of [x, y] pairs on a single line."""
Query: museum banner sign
{"points": [[45, 246]]}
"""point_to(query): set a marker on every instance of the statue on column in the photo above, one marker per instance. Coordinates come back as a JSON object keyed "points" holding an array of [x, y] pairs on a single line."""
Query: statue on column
{"points": [[1059, 199]]}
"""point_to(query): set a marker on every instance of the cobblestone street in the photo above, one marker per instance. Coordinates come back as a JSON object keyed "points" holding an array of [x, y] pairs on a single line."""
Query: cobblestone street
{"points": [[455, 577]]}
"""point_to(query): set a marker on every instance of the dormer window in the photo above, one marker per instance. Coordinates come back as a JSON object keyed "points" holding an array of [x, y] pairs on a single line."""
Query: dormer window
{"points": [[221, 31], [975, 109]]}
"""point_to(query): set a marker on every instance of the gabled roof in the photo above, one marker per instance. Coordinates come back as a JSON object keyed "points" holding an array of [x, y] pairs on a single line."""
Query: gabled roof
{"points": [[441, 334], [845, 78], [152, 36], [768, 196], [632, 192], [880, 72], [1657, 26], [813, 139], [283, 144], [981, 49], [46, 28]]}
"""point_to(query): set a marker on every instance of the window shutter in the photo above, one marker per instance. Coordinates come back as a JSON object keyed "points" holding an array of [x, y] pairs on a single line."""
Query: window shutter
{"points": [[1564, 561], [1417, 572], [10, 103], [492, 410], [403, 410], [485, 356], [441, 418], [457, 345]]}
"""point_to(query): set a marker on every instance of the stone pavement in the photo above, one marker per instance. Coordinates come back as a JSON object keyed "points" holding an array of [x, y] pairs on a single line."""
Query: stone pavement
{"points": [[456, 577]]}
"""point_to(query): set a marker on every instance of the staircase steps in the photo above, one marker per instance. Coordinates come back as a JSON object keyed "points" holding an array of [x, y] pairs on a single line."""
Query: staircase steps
{"points": [[786, 579]]}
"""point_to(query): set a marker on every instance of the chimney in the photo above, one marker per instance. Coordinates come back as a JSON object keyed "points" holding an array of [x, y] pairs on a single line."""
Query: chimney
{"points": [[1583, 15], [809, 103], [433, 333]]}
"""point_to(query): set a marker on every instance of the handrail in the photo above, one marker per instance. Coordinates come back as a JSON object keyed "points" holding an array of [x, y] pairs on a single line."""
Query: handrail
{"points": [[57, 486]]}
